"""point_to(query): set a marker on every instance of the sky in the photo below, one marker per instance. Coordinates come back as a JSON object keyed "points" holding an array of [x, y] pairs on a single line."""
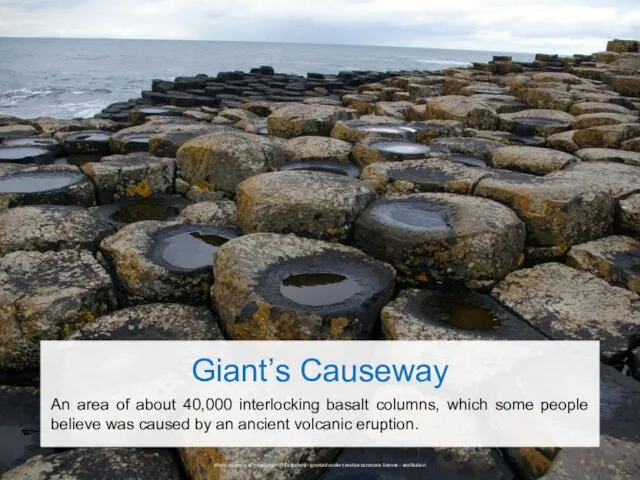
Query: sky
{"points": [[553, 26]]}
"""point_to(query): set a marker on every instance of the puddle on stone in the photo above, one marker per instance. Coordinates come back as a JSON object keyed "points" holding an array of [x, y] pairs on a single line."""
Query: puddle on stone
{"points": [[329, 166], [139, 209], [19, 153], [262, 131], [38, 182], [430, 180], [413, 216], [401, 148], [469, 160], [153, 111], [15, 441], [539, 121], [419, 219], [469, 317], [43, 142], [382, 129], [88, 137], [137, 138], [190, 248], [319, 289]]}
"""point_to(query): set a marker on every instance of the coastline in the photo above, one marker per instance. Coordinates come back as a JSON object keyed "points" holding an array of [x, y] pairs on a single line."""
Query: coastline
{"points": [[496, 202]]}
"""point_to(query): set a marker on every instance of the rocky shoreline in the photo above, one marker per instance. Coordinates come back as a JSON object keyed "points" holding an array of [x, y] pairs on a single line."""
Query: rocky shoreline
{"points": [[500, 201]]}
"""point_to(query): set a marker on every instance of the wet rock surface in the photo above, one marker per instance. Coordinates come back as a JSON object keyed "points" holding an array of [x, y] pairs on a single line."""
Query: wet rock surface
{"points": [[19, 426], [51, 227], [456, 314], [164, 261], [373, 150], [439, 238], [310, 204], [45, 296], [137, 209], [565, 303], [83, 463], [355, 131], [47, 184], [271, 286], [29, 154], [156, 321], [84, 142]]}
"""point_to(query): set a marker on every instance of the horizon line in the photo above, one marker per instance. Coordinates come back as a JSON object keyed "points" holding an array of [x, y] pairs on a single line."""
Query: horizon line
{"points": [[276, 43]]}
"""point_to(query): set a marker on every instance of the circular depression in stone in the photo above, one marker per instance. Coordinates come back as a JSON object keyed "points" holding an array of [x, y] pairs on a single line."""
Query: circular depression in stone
{"points": [[461, 309], [38, 181], [414, 215], [405, 149], [317, 289], [25, 155], [327, 283], [382, 129], [189, 247], [159, 207], [469, 160], [527, 126], [97, 137], [329, 166]]}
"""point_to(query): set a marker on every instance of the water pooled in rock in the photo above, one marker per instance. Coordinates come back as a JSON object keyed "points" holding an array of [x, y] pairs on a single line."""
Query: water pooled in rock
{"points": [[401, 148], [137, 138], [469, 317], [153, 111], [141, 209], [191, 249], [420, 219], [381, 129], [15, 441], [89, 137], [30, 141], [17, 153], [79, 160], [38, 182], [319, 289], [469, 160], [339, 168]]}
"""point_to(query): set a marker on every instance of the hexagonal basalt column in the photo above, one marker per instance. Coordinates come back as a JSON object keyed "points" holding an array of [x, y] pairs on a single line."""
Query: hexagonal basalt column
{"points": [[223, 160], [271, 286], [441, 238], [543, 122], [568, 304], [135, 175], [451, 315], [373, 150], [44, 296], [534, 160], [51, 227], [301, 119], [311, 204], [164, 261], [155, 321], [51, 184]]}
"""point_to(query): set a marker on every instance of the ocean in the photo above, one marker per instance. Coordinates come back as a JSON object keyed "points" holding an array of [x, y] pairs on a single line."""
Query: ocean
{"points": [[67, 78]]}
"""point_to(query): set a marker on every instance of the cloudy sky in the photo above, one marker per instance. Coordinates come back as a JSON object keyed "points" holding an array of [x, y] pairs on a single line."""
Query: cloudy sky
{"points": [[562, 26]]}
